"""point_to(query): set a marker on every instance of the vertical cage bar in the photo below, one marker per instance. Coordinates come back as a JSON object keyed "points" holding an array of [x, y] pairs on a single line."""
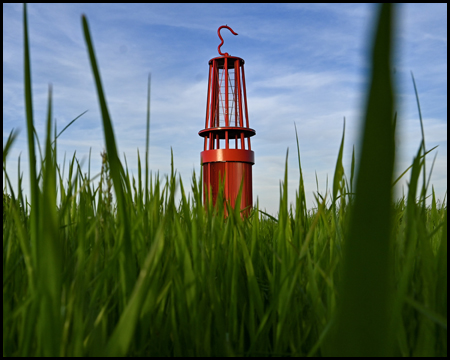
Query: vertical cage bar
{"points": [[245, 95], [226, 101], [245, 104], [241, 115], [237, 98], [236, 87], [213, 94], [207, 96], [208, 104], [217, 106], [213, 101], [226, 91]]}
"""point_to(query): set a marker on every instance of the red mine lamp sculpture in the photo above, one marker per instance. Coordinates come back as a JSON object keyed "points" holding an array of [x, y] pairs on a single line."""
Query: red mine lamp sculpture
{"points": [[227, 155]]}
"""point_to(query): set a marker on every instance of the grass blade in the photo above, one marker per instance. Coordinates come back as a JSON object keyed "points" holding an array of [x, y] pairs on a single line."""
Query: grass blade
{"points": [[50, 255], [122, 336], [423, 134], [147, 136], [11, 138], [116, 169], [65, 127], [30, 133], [363, 316], [339, 170]]}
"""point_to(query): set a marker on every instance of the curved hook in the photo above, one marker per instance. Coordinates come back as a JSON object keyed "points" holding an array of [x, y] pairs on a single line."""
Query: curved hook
{"points": [[218, 33]]}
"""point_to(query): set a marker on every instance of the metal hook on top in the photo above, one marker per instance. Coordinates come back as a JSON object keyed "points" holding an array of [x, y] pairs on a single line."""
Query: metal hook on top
{"points": [[220, 36]]}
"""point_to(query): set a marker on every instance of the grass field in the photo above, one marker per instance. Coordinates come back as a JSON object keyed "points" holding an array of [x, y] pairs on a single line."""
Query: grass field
{"points": [[140, 274]]}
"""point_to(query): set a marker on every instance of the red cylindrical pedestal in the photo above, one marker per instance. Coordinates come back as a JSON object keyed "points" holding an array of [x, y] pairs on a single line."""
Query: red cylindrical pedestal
{"points": [[231, 173]]}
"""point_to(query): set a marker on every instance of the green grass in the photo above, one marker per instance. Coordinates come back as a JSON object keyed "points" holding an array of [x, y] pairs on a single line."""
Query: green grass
{"points": [[363, 274]]}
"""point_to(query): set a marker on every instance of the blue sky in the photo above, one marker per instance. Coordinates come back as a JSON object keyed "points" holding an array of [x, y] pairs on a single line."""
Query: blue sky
{"points": [[304, 63]]}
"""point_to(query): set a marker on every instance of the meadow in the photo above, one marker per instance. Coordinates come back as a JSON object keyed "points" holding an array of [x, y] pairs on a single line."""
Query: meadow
{"points": [[141, 274]]}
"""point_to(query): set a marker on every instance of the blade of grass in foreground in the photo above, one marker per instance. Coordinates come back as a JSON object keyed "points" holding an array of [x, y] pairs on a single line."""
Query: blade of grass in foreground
{"points": [[25, 340], [147, 136], [127, 268], [363, 317], [50, 255], [122, 336], [30, 128]]}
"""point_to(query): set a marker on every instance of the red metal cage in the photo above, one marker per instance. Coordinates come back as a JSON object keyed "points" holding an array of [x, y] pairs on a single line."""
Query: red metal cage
{"points": [[227, 154]]}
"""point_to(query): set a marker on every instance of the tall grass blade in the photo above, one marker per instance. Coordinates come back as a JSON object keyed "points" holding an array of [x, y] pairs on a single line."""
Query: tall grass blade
{"points": [[30, 133], [117, 173], [339, 170], [31, 312], [50, 255], [352, 171], [301, 207], [423, 193], [363, 317], [147, 135]]}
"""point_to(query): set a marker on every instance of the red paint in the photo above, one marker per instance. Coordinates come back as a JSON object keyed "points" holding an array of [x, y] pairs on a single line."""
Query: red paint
{"points": [[227, 156]]}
